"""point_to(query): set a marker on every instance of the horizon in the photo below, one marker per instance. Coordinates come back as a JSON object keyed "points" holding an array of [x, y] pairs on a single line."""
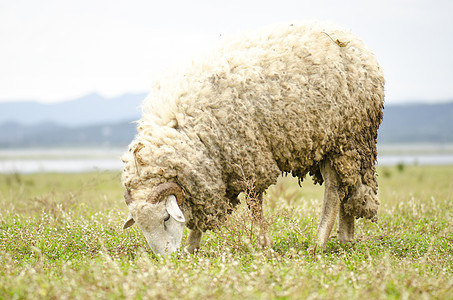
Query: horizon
{"points": [[112, 97], [92, 120], [76, 48]]}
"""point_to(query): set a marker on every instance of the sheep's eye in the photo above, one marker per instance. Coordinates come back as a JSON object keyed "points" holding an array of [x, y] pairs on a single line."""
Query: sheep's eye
{"points": [[167, 218]]}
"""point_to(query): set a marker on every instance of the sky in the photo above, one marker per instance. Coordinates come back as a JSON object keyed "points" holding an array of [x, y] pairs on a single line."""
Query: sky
{"points": [[58, 50]]}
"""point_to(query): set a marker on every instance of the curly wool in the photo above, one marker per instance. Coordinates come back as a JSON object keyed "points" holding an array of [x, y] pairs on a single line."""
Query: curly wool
{"points": [[280, 100]]}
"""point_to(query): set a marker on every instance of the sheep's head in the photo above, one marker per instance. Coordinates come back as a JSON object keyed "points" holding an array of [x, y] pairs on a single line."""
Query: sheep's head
{"points": [[158, 215]]}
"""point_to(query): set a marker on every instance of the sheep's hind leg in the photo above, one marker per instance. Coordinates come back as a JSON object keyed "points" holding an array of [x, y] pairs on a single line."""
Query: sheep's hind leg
{"points": [[194, 240], [255, 206], [346, 226], [331, 204]]}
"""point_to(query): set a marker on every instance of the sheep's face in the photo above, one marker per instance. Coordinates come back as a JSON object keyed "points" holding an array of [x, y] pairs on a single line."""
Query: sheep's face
{"points": [[159, 217]]}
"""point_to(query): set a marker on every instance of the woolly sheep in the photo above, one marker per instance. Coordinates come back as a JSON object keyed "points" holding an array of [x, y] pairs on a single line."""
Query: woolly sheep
{"points": [[300, 99]]}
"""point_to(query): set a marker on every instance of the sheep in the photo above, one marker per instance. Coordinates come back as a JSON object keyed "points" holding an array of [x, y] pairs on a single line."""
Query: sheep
{"points": [[300, 98]]}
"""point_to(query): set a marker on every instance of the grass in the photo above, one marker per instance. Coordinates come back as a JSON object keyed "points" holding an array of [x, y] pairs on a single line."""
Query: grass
{"points": [[61, 237]]}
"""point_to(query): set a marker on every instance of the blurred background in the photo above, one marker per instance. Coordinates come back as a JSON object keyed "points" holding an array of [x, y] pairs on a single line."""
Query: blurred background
{"points": [[73, 73]]}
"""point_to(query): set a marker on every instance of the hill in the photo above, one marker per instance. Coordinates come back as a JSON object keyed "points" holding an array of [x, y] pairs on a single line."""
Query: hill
{"points": [[97, 121], [88, 110], [417, 123], [14, 135]]}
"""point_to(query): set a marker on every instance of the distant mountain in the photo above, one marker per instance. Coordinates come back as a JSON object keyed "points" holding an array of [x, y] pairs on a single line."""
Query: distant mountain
{"points": [[14, 135], [88, 110], [96, 121], [417, 123]]}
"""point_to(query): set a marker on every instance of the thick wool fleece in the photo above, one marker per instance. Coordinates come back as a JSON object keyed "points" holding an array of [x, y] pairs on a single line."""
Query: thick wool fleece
{"points": [[279, 100]]}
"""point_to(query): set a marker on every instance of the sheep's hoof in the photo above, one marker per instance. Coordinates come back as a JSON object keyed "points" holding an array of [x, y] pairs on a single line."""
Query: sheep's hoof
{"points": [[347, 244], [191, 249]]}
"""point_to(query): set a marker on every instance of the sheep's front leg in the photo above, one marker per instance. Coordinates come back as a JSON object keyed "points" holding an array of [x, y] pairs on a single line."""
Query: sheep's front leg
{"points": [[194, 240], [346, 226], [255, 206], [331, 204]]}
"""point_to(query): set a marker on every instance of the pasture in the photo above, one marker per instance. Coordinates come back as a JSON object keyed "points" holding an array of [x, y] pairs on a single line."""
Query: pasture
{"points": [[61, 237]]}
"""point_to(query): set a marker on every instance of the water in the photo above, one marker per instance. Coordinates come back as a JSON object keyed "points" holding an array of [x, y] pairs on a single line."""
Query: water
{"points": [[106, 159], [424, 154], [414, 159], [60, 160]]}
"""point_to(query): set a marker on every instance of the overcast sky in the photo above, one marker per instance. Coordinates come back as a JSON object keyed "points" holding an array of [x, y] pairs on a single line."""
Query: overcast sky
{"points": [[58, 50]]}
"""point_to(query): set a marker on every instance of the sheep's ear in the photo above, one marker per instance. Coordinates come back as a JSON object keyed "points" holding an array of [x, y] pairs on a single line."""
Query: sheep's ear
{"points": [[129, 222], [173, 209]]}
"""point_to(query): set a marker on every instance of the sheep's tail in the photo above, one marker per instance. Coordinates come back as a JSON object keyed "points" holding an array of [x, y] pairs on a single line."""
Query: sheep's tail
{"points": [[357, 172]]}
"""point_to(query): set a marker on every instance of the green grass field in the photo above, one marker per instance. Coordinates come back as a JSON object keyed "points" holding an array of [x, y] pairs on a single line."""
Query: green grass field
{"points": [[61, 237]]}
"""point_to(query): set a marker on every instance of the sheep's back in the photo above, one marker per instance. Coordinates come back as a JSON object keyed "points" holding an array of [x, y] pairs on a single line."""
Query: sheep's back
{"points": [[271, 102], [282, 101]]}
